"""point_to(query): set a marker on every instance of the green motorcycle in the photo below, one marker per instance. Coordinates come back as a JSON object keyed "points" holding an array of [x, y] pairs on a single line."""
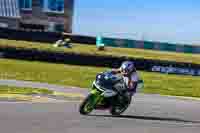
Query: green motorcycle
{"points": [[105, 95]]}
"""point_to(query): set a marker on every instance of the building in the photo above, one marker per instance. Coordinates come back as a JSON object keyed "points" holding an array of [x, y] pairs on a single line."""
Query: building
{"points": [[37, 15]]}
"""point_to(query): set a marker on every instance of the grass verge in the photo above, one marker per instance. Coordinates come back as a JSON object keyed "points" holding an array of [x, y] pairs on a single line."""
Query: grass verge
{"points": [[82, 76], [23, 94], [23, 91], [20, 97], [110, 51], [31, 94]]}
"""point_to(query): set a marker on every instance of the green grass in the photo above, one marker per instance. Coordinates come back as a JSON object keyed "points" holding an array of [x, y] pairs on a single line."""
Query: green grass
{"points": [[26, 94], [82, 76], [23, 91], [118, 52]]}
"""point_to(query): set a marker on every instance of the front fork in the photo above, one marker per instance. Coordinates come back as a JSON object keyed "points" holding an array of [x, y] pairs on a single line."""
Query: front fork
{"points": [[98, 98]]}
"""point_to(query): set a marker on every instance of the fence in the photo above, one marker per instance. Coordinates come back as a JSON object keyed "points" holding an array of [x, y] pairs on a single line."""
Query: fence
{"points": [[125, 43]]}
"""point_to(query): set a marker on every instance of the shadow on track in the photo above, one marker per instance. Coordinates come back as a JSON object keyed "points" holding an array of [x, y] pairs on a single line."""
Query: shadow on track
{"points": [[148, 118]]}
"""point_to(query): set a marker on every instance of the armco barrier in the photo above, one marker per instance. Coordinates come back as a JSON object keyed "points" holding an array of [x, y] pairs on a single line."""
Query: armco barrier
{"points": [[50, 37], [29, 36], [100, 61]]}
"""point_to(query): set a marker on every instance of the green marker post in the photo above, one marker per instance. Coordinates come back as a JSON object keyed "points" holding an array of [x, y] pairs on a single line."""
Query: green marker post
{"points": [[99, 43]]}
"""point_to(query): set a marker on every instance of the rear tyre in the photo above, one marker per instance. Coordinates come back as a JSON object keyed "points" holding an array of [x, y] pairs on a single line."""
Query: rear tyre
{"points": [[88, 105], [119, 108]]}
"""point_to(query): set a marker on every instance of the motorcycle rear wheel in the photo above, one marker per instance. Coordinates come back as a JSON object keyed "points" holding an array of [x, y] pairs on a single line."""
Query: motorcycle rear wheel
{"points": [[117, 109]]}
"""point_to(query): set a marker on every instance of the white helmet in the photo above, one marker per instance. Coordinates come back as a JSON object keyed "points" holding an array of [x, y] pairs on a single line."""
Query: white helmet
{"points": [[127, 67]]}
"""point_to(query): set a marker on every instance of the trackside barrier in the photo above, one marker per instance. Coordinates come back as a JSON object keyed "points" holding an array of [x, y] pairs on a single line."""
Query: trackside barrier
{"points": [[93, 60], [125, 43], [100, 61]]}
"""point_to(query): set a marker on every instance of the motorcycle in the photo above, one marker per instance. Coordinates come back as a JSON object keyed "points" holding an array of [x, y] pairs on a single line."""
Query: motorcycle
{"points": [[108, 92]]}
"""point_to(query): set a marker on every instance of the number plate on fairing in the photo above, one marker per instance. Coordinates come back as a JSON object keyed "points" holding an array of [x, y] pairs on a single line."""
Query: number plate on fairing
{"points": [[109, 93]]}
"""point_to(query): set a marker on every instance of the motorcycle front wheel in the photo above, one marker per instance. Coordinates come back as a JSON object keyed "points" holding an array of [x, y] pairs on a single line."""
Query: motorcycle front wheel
{"points": [[87, 105]]}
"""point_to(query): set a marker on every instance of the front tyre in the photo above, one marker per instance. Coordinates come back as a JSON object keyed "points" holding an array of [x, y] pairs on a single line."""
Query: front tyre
{"points": [[88, 105]]}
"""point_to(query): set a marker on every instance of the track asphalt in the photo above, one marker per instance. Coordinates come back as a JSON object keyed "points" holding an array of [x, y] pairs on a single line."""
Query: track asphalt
{"points": [[147, 114]]}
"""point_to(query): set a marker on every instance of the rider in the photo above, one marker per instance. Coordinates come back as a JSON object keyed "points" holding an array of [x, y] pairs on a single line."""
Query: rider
{"points": [[130, 75]]}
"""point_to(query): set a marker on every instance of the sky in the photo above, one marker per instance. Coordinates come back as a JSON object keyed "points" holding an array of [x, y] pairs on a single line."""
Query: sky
{"points": [[174, 21]]}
